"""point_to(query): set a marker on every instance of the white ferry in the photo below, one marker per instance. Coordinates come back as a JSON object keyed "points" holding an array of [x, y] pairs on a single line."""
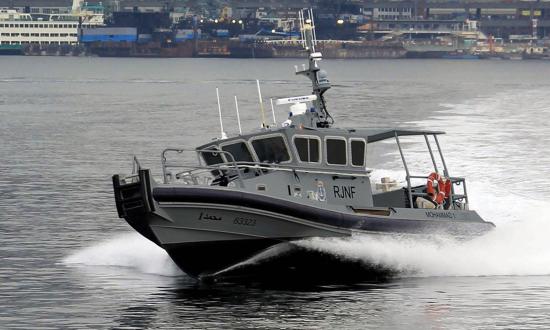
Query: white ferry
{"points": [[45, 29]]}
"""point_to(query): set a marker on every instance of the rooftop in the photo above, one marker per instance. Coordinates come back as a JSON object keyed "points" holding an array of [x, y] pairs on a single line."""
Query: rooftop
{"points": [[35, 3]]}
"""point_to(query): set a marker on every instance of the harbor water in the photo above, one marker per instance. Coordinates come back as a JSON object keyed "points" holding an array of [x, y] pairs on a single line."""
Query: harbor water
{"points": [[68, 261]]}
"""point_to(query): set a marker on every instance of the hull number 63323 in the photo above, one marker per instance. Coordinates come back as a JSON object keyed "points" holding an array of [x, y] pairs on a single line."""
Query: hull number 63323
{"points": [[244, 221]]}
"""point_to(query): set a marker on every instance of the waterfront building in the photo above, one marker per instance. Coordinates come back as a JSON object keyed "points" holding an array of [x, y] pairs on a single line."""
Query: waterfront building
{"points": [[393, 13], [144, 6], [38, 6], [496, 17]]}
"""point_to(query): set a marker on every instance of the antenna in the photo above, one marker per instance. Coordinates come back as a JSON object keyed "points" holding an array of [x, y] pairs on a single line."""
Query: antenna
{"points": [[238, 117], [302, 23], [273, 112], [310, 22], [261, 103], [223, 135], [313, 28]]}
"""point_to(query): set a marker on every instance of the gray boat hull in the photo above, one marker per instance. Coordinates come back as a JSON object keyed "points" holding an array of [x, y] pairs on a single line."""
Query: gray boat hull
{"points": [[208, 230]]}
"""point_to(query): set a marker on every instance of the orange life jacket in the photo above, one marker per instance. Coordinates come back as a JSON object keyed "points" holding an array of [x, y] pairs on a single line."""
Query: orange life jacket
{"points": [[443, 188]]}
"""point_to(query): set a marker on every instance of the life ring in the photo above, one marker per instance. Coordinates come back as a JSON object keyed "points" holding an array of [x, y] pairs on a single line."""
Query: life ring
{"points": [[443, 188]]}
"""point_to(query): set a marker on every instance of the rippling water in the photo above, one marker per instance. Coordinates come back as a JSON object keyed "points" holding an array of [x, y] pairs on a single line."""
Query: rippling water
{"points": [[68, 124]]}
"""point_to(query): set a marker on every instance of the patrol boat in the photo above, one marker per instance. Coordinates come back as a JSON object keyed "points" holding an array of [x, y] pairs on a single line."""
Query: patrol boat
{"points": [[250, 194]]}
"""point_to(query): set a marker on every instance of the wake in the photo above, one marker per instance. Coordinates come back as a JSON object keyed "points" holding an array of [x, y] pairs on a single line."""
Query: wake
{"points": [[510, 249], [126, 250]]}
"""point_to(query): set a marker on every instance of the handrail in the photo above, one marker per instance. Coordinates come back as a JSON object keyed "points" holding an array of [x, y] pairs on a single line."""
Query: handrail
{"points": [[268, 167], [276, 167], [237, 166], [136, 166], [198, 151]]}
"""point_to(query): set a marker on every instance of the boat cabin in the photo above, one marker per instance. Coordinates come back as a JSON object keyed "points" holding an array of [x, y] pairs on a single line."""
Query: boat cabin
{"points": [[326, 165]]}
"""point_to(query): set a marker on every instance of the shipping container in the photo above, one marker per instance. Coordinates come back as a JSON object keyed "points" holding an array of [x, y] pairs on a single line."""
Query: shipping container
{"points": [[108, 34], [222, 33], [144, 38], [187, 34]]}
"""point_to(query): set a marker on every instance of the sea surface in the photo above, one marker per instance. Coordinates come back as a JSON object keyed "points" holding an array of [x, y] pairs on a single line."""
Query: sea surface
{"points": [[68, 261]]}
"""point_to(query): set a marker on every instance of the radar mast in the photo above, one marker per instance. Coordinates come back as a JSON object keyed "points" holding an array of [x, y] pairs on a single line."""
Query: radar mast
{"points": [[318, 77]]}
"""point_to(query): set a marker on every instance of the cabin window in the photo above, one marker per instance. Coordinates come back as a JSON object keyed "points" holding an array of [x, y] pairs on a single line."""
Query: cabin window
{"points": [[239, 151], [308, 149], [271, 149], [336, 151], [212, 158], [357, 152]]}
